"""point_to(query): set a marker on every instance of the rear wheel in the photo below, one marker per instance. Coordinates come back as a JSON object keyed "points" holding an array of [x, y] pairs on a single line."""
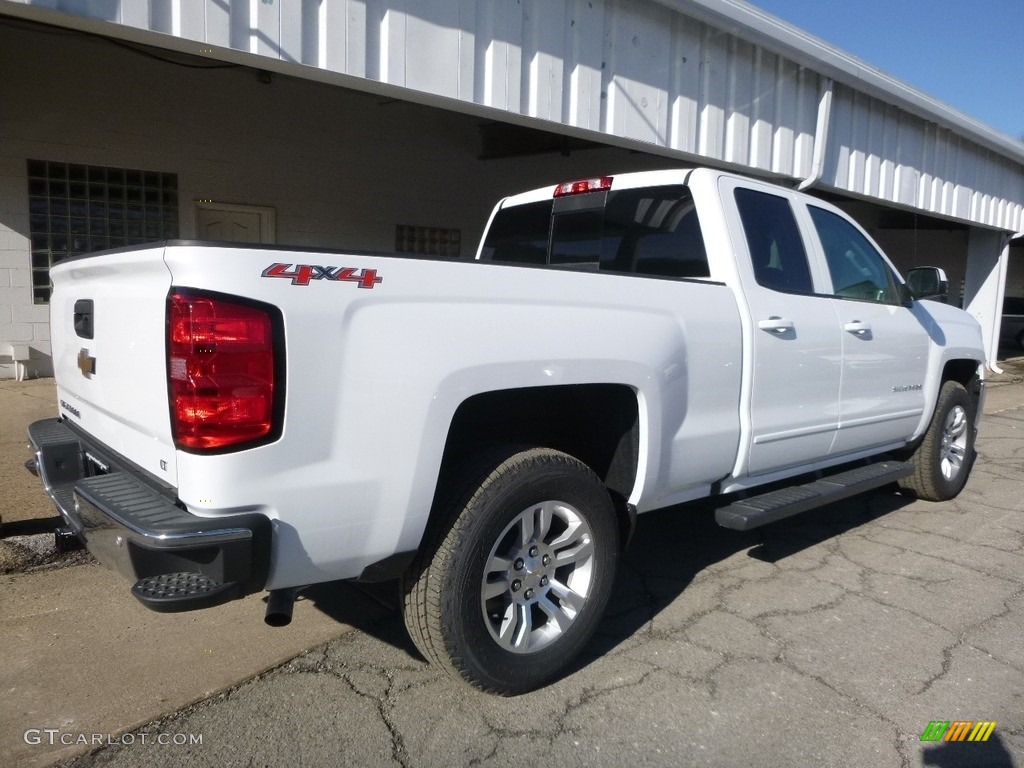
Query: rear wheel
{"points": [[513, 584], [943, 460]]}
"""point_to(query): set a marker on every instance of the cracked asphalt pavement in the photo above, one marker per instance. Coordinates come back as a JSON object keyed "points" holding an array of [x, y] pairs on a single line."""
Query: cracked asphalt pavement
{"points": [[830, 639]]}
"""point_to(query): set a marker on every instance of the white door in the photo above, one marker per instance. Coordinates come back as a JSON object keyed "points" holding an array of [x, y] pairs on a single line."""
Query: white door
{"points": [[885, 346], [797, 360], [234, 223]]}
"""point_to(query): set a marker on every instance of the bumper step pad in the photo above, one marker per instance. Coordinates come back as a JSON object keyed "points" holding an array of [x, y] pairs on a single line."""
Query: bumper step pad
{"points": [[133, 523], [173, 592], [756, 511]]}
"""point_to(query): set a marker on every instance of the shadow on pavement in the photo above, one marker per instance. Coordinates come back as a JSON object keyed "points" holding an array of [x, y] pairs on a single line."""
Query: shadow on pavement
{"points": [[374, 609], [672, 546], [31, 527], [668, 550], [969, 754]]}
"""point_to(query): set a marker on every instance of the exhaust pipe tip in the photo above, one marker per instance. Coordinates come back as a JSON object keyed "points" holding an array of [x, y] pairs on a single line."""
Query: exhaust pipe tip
{"points": [[279, 606]]}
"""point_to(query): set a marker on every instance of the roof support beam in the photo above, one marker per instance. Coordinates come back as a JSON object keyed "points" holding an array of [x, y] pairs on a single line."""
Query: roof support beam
{"points": [[988, 256]]}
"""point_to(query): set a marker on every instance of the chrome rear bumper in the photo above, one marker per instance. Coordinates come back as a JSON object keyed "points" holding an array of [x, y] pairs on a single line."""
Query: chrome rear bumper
{"points": [[133, 525]]}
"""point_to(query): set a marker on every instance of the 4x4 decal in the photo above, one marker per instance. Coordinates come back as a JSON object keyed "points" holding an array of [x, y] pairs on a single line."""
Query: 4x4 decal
{"points": [[301, 274]]}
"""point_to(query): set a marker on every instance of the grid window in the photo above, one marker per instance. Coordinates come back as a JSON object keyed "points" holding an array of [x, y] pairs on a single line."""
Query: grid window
{"points": [[75, 209], [433, 241]]}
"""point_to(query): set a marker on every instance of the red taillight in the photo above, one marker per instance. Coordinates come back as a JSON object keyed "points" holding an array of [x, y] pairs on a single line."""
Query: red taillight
{"points": [[599, 184], [220, 361]]}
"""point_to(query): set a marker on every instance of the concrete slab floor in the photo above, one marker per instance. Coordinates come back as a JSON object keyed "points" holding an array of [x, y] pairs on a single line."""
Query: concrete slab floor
{"points": [[829, 639], [79, 652], [21, 403]]}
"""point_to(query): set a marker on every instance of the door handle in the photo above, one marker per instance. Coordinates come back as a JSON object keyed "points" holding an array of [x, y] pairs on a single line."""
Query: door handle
{"points": [[857, 327], [775, 325]]}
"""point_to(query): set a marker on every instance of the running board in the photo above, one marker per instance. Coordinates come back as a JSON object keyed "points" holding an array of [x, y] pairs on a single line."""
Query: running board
{"points": [[756, 511]]}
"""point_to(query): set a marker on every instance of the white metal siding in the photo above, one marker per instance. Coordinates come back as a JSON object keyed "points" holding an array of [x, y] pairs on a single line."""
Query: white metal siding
{"points": [[739, 87], [633, 70], [879, 151]]}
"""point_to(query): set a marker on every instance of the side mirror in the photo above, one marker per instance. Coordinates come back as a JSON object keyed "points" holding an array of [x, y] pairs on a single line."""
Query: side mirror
{"points": [[928, 283]]}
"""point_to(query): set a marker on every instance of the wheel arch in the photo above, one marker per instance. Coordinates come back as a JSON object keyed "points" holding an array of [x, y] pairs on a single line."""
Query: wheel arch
{"points": [[598, 424], [967, 372], [964, 371], [961, 370]]}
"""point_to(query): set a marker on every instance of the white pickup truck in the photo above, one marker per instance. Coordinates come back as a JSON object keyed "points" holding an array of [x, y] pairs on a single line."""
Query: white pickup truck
{"points": [[235, 419]]}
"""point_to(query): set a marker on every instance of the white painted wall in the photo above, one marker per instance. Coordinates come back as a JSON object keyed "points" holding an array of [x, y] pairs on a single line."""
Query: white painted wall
{"points": [[340, 169], [23, 325], [984, 283]]}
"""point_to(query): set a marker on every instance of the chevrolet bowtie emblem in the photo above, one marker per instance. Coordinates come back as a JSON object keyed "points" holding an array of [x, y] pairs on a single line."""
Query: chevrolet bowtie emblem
{"points": [[86, 364]]}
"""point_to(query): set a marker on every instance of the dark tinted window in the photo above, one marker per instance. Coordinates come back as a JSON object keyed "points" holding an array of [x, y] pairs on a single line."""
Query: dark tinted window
{"points": [[1013, 305], [519, 234], [653, 231], [576, 227], [648, 231], [858, 271], [776, 248]]}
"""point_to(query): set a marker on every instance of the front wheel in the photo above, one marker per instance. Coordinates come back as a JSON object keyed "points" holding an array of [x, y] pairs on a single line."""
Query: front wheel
{"points": [[943, 460], [513, 584]]}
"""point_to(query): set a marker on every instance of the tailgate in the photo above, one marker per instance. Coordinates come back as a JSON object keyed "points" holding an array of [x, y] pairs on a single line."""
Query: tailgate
{"points": [[108, 327]]}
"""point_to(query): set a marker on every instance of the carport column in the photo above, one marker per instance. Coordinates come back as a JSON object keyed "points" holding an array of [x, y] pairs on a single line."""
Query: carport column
{"points": [[988, 253]]}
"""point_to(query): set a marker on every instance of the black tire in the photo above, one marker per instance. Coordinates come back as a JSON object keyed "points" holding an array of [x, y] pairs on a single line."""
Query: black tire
{"points": [[943, 459], [510, 642]]}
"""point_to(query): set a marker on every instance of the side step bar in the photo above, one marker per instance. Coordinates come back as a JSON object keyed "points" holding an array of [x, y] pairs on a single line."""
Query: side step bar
{"points": [[756, 511]]}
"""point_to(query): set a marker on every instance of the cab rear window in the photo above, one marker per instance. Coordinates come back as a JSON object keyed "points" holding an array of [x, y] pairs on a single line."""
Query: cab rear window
{"points": [[519, 234], [648, 231]]}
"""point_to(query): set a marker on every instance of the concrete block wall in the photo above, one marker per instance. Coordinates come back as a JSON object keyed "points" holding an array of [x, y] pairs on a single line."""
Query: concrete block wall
{"points": [[24, 326]]}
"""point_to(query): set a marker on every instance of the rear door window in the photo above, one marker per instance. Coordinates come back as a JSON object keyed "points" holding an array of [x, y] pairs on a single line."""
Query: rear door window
{"points": [[773, 239]]}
